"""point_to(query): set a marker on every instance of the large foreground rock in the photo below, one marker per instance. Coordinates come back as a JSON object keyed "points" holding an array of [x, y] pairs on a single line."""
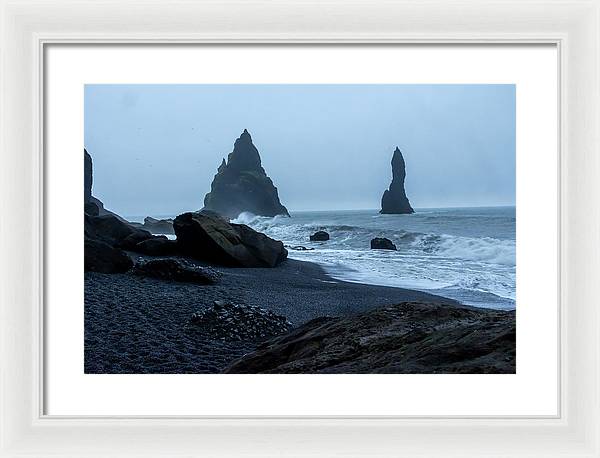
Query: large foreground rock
{"points": [[242, 185], [207, 237], [394, 199], [410, 337]]}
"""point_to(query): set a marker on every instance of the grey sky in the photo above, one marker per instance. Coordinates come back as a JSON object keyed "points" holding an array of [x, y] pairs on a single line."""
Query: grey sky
{"points": [[156, 148]]}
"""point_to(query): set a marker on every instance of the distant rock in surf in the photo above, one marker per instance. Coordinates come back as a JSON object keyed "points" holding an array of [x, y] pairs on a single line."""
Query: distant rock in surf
{"points": [[319, 236], [394, 200], [242, 185], [381, 243]]}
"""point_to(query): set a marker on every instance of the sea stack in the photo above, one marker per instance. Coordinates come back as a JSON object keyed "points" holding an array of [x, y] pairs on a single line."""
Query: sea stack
{"points": [[394, 200], [242, 185]]}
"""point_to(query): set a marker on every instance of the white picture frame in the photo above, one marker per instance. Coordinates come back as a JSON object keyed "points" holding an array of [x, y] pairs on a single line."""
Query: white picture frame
{"points": [[29, 26]]}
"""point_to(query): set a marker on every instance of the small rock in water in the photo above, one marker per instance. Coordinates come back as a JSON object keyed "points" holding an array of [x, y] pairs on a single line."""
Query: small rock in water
{"points": [[299, 248], [228, 321], [381, 243], [319, 236]]}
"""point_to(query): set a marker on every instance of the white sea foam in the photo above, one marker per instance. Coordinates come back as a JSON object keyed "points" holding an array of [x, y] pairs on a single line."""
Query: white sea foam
{"points": [[467, 256]]}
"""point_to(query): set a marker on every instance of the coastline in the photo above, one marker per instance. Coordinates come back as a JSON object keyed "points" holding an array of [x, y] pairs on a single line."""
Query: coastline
{"points": [[141, 325]]}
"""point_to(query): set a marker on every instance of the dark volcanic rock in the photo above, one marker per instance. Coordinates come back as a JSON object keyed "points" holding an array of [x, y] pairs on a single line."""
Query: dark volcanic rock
{"points": [[410, 337], [394, 199], [381, 243], [101, 257], [209, 238], [299, 248], [157, 226], [176, 270], [242, 185], [319, 236], [87, 176], [225, 321], [92, 205], [114, 231], [157, 247]]}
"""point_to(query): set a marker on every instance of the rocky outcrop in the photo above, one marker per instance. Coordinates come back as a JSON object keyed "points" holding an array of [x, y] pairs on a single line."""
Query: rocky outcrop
{"points": [[381, 243], [176, 270], [226, 321], [209, 238], [92, 205], [114, 231], [102, 257], [394, 199], [319, 236], [242, 185], [407, 338]]}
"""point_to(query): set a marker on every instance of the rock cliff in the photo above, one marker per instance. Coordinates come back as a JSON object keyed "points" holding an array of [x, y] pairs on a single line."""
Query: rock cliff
{"points": [[242, 185], [394, 199]]}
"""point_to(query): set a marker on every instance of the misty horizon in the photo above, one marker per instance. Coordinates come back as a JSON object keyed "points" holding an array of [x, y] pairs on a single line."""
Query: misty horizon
{"points": [[156, 148]]}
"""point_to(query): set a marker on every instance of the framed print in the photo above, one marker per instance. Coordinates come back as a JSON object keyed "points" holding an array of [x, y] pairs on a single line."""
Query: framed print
{"points": [[305, 229]]}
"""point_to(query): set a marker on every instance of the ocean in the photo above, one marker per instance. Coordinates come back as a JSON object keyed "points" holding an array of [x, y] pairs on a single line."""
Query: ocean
{"points": [[467, 254]]}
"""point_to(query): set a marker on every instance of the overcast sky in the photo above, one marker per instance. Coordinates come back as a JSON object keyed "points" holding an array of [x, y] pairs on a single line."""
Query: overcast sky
{"points": [[156, 148]]}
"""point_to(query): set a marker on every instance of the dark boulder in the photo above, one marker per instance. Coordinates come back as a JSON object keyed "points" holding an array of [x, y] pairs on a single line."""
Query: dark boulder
{"points": [[394, 199], [210, 238], [176, 270], [114, 231], [157, 246], [242, 185], [319, 236], [102, 257], [407, 338], [381, 243]]}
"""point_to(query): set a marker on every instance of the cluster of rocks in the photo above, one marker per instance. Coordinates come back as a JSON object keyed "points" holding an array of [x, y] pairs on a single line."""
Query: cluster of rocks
{"points": [[378, 243], [204, 236], [410, 337], [176, 270], [227, 321]]}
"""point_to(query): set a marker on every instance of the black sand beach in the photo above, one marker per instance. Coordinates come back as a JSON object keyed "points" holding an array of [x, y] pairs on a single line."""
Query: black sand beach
{"points": [[142, 325]]}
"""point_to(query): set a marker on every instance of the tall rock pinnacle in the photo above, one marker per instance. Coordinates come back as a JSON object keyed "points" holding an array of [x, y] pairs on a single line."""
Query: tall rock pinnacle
{"points": [[242, 185], [394, 199]]}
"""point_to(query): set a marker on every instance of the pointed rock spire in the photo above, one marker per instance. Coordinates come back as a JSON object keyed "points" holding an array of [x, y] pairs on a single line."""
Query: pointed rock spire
{"points": [[394, 199], [242, 185]]}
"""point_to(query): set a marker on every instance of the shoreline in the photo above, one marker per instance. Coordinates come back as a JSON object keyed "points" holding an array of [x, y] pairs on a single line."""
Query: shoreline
{"points": [[141, 325]]}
